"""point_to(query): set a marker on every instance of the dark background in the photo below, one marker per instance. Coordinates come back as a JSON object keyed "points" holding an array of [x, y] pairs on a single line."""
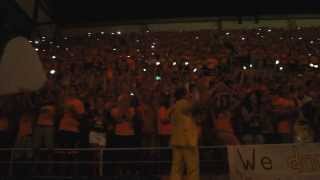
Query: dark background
{"points": [[77, 11]]}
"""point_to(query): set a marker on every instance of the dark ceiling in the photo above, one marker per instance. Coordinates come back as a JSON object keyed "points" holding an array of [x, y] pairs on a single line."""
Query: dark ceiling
{"points": [[94, 11]]}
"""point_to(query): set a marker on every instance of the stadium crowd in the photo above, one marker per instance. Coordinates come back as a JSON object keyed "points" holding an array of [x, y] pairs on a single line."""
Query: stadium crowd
{"points": [[258, 86]]}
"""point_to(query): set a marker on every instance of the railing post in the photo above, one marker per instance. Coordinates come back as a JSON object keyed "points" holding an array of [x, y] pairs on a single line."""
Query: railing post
{"points": [[101, 162], [11, 162]]}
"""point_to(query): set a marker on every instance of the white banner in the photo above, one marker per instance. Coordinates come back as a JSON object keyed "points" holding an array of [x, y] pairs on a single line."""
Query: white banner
{"points": [[20, 68], [274, 162]]}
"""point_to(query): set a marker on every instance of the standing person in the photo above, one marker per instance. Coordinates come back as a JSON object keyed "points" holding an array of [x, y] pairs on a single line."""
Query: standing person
{"points": [[97, 139], [184, 139], [45, 131]]}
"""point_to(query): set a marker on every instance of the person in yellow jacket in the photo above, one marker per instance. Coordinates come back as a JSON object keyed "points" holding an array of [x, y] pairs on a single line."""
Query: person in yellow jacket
{"points": [[184, 138]]}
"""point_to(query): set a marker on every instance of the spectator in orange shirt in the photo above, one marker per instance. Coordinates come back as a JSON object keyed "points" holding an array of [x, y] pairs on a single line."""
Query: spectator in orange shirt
{"points": [[24, 137], [4, 130]]}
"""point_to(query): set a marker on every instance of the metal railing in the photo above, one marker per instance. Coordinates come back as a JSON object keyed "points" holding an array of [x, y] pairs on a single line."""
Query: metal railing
{"points": [[145, 161]]}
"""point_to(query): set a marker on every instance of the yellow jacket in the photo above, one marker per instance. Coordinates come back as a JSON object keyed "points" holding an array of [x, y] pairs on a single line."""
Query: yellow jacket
{"points": [[184, 128]]}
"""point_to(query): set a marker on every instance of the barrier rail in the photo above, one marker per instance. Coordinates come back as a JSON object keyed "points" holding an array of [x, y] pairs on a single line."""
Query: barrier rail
{"points": [[146, 161]]}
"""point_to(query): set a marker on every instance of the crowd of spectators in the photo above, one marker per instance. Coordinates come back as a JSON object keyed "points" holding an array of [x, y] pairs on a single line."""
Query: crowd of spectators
{"points": [[258, 86]]}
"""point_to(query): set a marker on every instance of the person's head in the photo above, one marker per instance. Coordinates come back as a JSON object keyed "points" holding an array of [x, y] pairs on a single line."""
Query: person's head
{"points": [[180, 93]]}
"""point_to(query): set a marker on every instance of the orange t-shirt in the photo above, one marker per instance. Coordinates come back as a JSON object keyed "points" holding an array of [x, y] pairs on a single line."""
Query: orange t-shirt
{"points": [[283, 127], [4, 124], [69, 123], [131, 64], [164, 124], [76, 104], [47, 118], [282, 102], [124, 127], [223, 124], [25, 126], [212, 63], [109, 74]]}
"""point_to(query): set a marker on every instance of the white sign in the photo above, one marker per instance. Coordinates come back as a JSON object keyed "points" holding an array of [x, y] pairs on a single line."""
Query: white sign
{"points": [[274, 162]]}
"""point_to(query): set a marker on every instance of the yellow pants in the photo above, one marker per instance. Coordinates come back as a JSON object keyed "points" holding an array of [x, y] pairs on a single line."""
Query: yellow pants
{"points": [[188, 156]]}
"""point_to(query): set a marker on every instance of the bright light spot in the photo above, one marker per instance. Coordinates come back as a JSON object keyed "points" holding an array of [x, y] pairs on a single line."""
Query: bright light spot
{"points": [[316, 66], [280, 68], [144, 70], [152, 53], [152, 46], [89, 33], [36, 49], [300, 38], [43, 37], [114, 49], [131, 94], [311, 42], [311, 65], [112, 33], [258, 33], [52, 71], [277, 62], [158, 63], [158, 78], [227, 33], [102, 33], [197, 37], [259, 29], [54, 57], [250, 65], [138, 50], [262, 36], [269, 30], [147, 31], [43, 50], [36, 42], [58, 46], [244, 67], [243, 38], [128, 56], [137, 40], [309, 54], [174, 63], [30, 41], [195, 70], [186, 63], [119, 32]]}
